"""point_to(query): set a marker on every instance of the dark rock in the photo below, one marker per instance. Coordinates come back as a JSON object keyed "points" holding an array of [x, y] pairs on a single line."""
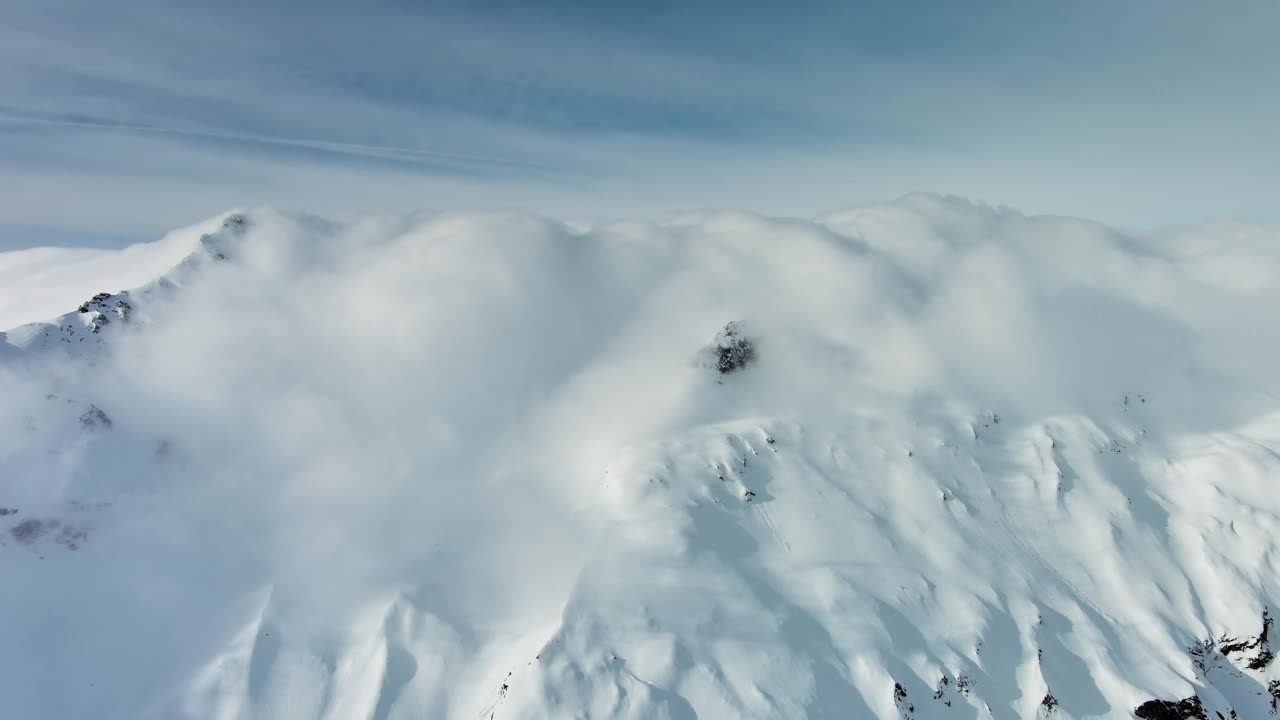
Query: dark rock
{"points": [[900, 699], [1259, 647], [94, 418], [732, 350], [29, 531], [1165, 710]]}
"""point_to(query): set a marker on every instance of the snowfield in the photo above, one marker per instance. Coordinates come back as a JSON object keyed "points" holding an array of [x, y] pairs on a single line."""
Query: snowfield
{"points": [[946, 462]]}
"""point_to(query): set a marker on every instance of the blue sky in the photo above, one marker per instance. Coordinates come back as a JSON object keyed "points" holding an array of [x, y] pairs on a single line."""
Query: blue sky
{"points": [[119, 120]]}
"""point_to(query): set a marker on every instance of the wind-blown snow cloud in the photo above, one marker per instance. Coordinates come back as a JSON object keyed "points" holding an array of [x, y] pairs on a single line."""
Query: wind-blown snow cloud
{"points": [[430, 465], [1154, 113]]}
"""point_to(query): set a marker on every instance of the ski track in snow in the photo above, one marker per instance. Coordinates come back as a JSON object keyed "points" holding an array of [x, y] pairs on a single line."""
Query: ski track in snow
{"points": [[773, 530], [1003, 522]]}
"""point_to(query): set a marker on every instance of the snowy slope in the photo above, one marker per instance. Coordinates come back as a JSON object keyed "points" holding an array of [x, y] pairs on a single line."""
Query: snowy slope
{"points": [[40, 283], [978, 465]]}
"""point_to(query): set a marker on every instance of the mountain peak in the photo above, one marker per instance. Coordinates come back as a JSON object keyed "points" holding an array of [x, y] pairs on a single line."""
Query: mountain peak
{"points": [[923, 460]]}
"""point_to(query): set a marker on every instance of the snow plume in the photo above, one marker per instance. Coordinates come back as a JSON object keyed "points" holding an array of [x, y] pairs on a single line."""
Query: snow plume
{"points": [[478, 465]]}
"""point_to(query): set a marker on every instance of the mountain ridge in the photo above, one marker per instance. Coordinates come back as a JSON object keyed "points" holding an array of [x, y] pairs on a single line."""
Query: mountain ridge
{"points": [[965, 464]]}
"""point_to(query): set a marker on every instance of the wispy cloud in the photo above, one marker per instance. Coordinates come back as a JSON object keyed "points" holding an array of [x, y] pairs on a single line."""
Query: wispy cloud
{"points": [[1147, 113]]}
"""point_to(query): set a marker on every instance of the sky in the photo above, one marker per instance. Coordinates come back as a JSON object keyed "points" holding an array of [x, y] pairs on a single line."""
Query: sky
{"points": [[121, 120]]}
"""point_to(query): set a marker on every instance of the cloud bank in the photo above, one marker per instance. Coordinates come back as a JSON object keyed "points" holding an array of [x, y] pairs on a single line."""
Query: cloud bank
{"points": [[462, 464]]}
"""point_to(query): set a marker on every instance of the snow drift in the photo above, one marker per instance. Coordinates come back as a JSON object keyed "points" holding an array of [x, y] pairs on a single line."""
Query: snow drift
{"points": [[921, 460]]}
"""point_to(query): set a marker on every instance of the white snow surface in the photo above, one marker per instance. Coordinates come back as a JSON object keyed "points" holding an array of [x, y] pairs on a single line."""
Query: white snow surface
{"points": [[982, 465], [39, 283]]}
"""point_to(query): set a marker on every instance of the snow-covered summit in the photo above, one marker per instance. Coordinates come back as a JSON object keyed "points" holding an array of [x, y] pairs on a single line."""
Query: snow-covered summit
{"points": [[84, 329], [921, 460]]}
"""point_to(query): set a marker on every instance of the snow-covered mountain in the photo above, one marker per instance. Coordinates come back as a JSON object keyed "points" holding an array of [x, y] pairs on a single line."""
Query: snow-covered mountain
{"points": [[921, 460]]}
